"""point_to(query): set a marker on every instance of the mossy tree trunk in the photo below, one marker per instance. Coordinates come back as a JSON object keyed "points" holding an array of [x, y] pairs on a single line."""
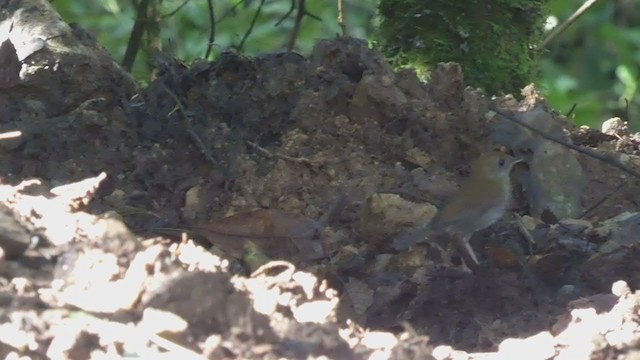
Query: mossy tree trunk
{"points": [[493, 40]]}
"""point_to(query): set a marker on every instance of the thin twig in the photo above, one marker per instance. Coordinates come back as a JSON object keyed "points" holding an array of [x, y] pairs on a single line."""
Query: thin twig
{"points": [[285, 16], [603, 199], [171, 13], [153, 47], [135, 39], [212, 31], [283, 157], [626, 111], [253, 23], [341, 23], [231, 10], [296, 25], [190, 130], [526, 233], [570, 112], [558, 30], [291, 8], [302, 12], [591, 153]]}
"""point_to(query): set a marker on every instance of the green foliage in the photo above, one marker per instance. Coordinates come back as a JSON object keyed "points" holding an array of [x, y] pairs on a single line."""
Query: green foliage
{"points": [[594, 64], [185, 34]]}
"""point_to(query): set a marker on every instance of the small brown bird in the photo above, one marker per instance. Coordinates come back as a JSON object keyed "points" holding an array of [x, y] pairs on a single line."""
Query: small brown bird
{"points": [[481, 201]]}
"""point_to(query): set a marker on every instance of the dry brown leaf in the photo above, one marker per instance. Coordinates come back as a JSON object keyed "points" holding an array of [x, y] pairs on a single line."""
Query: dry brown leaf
{"points": [[549, 266], [503, 257], [278, 234]]}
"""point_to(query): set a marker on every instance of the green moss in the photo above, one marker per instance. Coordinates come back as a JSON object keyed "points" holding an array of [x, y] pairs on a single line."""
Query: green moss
{"points": [[494, 41]]}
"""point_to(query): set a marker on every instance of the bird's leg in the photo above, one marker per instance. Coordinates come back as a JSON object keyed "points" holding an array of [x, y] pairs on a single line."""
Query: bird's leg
{"points": [[461, 243]]}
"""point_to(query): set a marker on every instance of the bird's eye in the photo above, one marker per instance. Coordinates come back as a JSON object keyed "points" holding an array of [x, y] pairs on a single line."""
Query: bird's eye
{"points": [[501, 162]]}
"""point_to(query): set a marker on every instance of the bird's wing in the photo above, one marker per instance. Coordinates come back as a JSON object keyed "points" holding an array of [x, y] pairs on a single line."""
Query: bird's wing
{"points": [[468, 205]]}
